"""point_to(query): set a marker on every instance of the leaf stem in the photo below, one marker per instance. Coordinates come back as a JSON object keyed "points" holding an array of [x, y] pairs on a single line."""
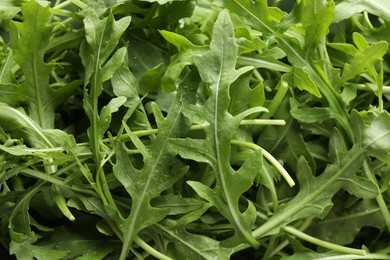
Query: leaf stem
{"points": [[200, 127], [322, 243], [262, 122], [69, 2], [279, 96], [285, 243], [275, 102], [151, 250], [379, 199], [350, 256], [269, 157]]}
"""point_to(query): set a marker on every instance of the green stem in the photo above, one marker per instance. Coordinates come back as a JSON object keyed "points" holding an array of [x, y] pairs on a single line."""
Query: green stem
{"points": [[275, 102], [350, 256], [279, 96], [379, 82], [141, 133], [286, 242], [262, 122], [69, 2], [151, 250], [322, 243], [367, 19], [379, 199], [269, 157]]}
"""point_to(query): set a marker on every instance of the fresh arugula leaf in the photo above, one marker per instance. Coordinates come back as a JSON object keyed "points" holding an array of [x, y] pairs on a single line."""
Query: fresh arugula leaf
{"points": [[346, 9], [29, 40], [349, 220], [221, 127], [314, 197], [102, 37], [203, 248], [187, 51], [9, 8], [157, 174]]}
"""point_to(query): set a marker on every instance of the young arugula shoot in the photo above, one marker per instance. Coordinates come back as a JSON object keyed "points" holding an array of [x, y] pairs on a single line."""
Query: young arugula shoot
{"points": [[102, 37]]}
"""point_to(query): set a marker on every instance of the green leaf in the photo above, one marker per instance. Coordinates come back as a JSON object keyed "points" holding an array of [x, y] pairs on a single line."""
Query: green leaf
{"points": [[313, 114], [99, 6], [244, 97], [29, 40], [9, 8], [187, 51], [160, 169], [314, 197], [348, 220], [348, 8], [177, 204], [106, 113], [27, 250], [124, 84], [102, 37], [217, 70], [363, 60], [67, 242], [6, 74], [318, 26], [191, 246], [260, 16], [144, 54], [150, 82], [315, 194], [22, 125], [19, 221], [303, 81], [377, 144]]}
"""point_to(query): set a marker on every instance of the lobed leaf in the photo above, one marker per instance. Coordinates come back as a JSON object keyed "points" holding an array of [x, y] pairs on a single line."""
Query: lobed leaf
{"points": [[29, 40], [314, 197], [190, 245], [217, 69], [349, 221], [160, 170]]}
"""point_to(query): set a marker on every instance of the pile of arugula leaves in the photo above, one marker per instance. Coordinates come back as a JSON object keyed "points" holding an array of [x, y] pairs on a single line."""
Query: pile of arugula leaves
{"points": [[171, 129]]}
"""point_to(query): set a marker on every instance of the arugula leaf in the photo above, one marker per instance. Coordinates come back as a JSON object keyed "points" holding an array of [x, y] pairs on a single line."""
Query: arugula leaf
{"points": [[314, 197], [157, 174], [220, 129], [9, 8], [191, 245], [29, 40], [288, 41], [187, 51], [363, 60], [66, 243], [349, 222], [102, 37], [346, 9]]}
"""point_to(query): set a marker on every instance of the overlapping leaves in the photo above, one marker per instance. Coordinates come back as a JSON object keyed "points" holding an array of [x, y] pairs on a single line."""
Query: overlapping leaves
{"points": [[156, 153], [217, 70]]}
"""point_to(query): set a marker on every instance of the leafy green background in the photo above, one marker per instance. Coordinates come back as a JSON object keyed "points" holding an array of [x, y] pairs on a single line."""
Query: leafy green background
{"points": [[171, 129]]}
